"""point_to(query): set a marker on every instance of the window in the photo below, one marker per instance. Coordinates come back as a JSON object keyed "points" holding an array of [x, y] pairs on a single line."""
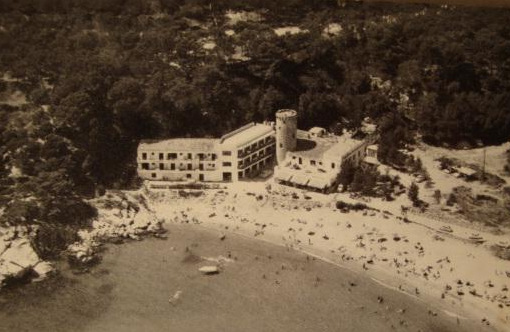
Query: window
{"points": [[145, 166], [188, 176], [332, 165], [320, 163], [281, 145], [201, 167], [161, 156], [153, 175], [240, 175], [189, 167], [189, 155], [171, 156], [172, 166], [312, 162], [144, 156], [213, 156], [161, 166], [300, 161], [227, 163], [226, 153]]}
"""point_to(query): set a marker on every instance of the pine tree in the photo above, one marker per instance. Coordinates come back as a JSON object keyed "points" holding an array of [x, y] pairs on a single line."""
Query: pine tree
{"points": [[413, 193], [437, 196]]}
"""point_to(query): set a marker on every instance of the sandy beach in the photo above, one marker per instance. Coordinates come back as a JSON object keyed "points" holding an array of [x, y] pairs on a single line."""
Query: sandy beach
{"points": [[459, 278], [154, 285]]}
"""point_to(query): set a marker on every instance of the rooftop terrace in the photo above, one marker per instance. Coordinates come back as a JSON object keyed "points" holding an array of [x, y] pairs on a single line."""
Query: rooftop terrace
{"points": [[326, 146], [246, 134], [180, 144]]}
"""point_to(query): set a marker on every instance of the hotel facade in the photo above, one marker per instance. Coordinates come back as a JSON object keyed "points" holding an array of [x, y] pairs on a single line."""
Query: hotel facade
{"points": [[309, 159], [239, 154]]}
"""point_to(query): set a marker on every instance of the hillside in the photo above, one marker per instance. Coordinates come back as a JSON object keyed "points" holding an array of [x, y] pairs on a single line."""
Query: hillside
{"points": [[82, 83]]}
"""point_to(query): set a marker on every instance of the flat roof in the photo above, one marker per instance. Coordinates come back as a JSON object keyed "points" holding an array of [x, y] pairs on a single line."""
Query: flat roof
{"points": [[246, 135], [180, 144], [311, 148], [466, 171], [318, 147], [344, 145]]}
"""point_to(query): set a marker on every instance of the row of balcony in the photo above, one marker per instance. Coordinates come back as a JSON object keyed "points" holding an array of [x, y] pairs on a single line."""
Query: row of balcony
{"points": [[253, 160], [185, 167], [262, 144], [161, 156]]}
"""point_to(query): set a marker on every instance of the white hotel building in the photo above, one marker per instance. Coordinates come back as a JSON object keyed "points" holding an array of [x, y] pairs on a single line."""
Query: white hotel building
{"points": [[305, 159], [236, 155]]}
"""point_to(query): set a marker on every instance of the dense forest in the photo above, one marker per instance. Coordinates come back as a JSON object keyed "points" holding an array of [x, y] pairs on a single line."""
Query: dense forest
{"points": [[98, 76]]}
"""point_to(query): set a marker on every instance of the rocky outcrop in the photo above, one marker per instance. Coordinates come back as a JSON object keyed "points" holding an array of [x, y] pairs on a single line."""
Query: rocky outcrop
{"points": [[121, 215], [18, 260]]}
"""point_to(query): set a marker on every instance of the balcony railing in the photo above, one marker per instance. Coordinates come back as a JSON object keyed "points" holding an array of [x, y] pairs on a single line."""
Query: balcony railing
{"points": [[250, 150]]}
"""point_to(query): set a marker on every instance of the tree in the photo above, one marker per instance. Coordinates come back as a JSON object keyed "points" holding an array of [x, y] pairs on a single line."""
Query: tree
{"points": [[437, 196], [357, 182], [413, 193], [346, 175]]}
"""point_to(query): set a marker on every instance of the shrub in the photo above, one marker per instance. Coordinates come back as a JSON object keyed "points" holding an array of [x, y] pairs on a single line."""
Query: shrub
{"points": [[50, 240], [413, 193], [341, 205]]}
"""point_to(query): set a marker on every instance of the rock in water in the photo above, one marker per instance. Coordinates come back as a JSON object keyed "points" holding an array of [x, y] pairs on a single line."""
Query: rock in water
{"points": [[18, 260], [210, 269], [43, 269], [21, 253]]}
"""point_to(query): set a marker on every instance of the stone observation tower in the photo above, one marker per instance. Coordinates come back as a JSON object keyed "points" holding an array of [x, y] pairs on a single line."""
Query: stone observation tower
{"points": [[286, 128]]}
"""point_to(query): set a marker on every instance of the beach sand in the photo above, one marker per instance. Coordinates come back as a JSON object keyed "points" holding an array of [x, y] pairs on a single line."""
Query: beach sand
{"points": [[414, 257]]}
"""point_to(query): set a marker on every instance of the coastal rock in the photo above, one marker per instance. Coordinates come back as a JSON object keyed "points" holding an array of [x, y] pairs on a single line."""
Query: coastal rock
{"points": [[3, 246], [21, 253], [17, 260], [10, 269], [43, 270], [143, 219]]}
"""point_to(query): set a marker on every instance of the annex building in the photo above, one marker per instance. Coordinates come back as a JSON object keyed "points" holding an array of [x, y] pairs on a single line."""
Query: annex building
{"points": [[313, 159], [306, 159]]}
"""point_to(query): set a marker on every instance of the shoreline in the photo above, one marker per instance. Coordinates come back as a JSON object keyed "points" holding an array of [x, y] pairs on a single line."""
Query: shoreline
{"points": [[464, 306], [379, 276], [132, 287]]}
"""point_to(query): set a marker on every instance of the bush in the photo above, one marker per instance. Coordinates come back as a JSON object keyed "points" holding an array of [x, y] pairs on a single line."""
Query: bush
{"points": [[452, 199], [413, 193], [503, 253], [50, 240], [344, 206], [100, 190]]}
